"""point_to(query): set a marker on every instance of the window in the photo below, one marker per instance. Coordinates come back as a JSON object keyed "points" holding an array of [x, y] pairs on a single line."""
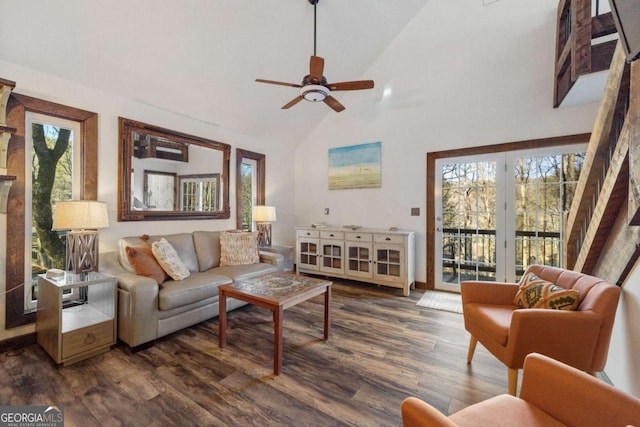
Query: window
{"points": [[501, 212], [250, 186], [477, 220], [51, 150], [18, 107]]}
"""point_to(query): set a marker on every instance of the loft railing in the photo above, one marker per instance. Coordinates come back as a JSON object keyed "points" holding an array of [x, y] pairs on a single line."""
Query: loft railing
{"points": [[578, 50]]}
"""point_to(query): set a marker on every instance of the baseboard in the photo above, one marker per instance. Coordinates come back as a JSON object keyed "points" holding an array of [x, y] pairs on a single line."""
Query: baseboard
{"points": [[422, 285]]}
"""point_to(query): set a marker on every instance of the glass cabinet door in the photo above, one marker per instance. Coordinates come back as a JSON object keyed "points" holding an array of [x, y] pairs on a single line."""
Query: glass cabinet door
{"points": [[388, 262], [359, 261], [308, 256], [332, 256]]}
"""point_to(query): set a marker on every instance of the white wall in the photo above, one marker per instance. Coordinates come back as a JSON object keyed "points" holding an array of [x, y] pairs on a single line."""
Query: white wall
{"points": [[623, 364], [279, 161], [461, 75]]}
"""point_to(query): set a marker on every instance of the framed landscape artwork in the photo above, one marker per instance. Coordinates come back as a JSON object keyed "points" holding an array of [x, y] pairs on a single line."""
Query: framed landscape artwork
{"points": [[355, 166]]}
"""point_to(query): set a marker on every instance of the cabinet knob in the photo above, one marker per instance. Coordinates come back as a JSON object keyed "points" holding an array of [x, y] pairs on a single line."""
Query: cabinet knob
{"points": [[308, 234], [387, 238], [358, 237], [91, 337], [331, 235]]}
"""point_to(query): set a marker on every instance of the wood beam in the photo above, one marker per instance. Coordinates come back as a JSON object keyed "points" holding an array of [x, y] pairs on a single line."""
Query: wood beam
{"points": [[592, 169], [612, 196], [633, 116]]}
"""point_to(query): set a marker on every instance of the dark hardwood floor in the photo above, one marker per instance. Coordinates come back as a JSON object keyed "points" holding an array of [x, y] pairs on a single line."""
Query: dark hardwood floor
{"points": [[383, 348]]}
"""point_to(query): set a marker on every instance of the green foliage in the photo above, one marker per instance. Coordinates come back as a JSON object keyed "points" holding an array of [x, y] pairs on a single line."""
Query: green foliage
{"points": [[246, 197], [51, 182]]}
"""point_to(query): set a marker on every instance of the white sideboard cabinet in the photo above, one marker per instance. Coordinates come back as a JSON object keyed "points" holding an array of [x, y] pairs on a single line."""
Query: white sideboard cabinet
{"points": [[376, 256]]}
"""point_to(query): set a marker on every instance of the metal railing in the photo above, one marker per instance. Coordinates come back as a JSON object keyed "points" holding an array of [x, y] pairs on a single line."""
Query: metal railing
{"points": [[471, 253]]}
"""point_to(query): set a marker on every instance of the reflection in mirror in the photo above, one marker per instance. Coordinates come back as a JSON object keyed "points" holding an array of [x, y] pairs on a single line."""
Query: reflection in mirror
{"points": [[170, 175], [159, 191]]}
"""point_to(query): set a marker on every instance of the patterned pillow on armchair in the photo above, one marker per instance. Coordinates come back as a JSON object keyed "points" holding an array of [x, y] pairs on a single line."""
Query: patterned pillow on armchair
{"points": [[535, 292]]}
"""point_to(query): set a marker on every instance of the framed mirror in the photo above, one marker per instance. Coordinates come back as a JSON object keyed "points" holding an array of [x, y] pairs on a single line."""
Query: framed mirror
{"points": [[168, 175]]}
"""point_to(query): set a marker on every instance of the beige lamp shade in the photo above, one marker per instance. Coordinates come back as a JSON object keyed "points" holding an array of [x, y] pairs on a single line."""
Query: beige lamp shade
{"points": [[80, 215], [264, 213]]}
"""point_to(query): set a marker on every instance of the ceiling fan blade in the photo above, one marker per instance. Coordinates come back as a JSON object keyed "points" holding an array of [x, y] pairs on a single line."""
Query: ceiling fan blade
{"points": [[293, 102], [355, 85], [333, 103], [273, 82], [316, 68]]}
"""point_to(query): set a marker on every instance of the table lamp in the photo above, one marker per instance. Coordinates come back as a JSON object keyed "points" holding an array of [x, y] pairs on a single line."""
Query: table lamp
{"points": [[264, 216], [82, 218]]}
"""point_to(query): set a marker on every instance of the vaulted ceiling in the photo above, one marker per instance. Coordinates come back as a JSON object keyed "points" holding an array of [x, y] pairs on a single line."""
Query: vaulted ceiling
{"points": [[200, 58]]}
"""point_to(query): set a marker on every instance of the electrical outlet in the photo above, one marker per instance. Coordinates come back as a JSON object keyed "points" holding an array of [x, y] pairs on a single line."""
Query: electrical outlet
{"points": [[326, 211], [415, 211]]}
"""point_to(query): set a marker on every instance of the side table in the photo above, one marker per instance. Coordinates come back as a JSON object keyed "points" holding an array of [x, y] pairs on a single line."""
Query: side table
{"points": [[285, 251], [76, 316]]}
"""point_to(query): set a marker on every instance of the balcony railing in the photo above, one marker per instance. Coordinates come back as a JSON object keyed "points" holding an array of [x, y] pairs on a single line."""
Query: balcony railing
{"points": [[471, 253]]}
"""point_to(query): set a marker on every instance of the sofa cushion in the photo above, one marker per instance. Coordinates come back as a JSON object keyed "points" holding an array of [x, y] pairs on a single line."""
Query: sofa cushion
{"points": [[169, 259], [239, 248], [207, 244], [503, 410], [537, 293], [243, 272], [144, 263], [493, 320], [194, 288]]}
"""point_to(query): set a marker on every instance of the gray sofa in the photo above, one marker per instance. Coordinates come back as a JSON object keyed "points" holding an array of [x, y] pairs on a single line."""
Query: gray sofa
{"points": [[147, 311]]}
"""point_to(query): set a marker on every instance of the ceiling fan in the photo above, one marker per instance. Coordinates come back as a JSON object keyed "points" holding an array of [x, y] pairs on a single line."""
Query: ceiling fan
{"points": [[314, 87]]}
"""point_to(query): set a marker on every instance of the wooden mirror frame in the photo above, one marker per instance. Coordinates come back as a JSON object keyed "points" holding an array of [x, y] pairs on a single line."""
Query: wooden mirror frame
{"points": [[18, 105], [125, 154], [260, 194]]}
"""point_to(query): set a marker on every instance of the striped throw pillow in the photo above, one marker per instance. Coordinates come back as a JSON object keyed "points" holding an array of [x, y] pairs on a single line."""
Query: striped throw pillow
{"points": [[239, 248]]}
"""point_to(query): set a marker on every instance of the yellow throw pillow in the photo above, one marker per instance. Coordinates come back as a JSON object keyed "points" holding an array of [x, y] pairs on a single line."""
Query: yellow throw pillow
{"points": [[537, 293], [238, 248]]}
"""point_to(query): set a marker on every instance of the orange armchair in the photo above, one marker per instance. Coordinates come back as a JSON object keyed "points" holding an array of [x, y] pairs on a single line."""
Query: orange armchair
{"points": [[552, 394], [578, 338]]}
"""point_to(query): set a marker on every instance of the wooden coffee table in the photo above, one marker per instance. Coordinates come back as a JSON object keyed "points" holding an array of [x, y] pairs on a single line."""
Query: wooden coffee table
{"points": [[276, 292]]}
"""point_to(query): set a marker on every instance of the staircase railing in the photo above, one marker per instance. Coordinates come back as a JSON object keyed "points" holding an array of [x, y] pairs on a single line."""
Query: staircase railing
{"points": [[601, 233]]}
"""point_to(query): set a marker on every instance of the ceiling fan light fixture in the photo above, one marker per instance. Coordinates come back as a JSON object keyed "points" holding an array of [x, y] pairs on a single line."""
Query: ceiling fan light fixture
{"points": [[314, 86], [314, 93]]}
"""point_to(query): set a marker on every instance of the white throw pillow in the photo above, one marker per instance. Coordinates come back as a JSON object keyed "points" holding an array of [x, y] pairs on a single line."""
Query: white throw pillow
{"points": [[169, 260]]}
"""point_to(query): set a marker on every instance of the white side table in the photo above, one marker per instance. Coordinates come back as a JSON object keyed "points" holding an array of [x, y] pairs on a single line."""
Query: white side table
{"points": [[76, 316]]}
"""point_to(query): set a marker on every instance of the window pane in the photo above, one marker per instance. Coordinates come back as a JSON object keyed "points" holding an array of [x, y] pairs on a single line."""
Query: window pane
{"points": [[51, 181], [248, 196]]}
